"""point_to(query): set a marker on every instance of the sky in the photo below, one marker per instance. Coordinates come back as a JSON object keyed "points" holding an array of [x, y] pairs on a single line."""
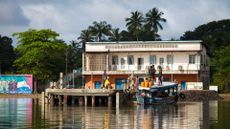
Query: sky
{"points": [[70, 17]]}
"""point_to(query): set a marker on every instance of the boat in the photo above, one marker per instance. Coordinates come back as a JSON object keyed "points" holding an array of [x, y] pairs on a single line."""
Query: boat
{"points": [[167, 93]]}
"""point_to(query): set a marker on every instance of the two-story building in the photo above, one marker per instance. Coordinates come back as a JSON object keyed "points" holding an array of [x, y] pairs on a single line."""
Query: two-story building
{"points": [[181, 61]]}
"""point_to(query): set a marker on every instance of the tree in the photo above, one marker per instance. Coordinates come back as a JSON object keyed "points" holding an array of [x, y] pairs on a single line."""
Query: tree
{"points": [[221, 62], [153, 20], [215, 34], [126, 36], [73, 55], [7, 55], [115, 35], [100, 30], [134, 23], [40, 54], [85, 36]]}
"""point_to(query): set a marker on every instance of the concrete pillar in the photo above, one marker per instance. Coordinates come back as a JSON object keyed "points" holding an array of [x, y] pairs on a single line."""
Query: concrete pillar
{"points": [[61, 81], [117, 100], [65, 98], [51, 99], [43, 104], [109, 101], [46, 98], [86, 100], [93, 100], [72, 100], [107, 61], [80, 101], [43, 98], [99, 100], [59, 100]]}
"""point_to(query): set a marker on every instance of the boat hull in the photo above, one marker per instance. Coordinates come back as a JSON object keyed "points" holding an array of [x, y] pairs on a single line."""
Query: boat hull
{"points": [[158, 94], [155, 100]]}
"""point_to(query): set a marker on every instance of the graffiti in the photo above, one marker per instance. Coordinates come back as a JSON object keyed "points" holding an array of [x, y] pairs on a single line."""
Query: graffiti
{"points": [[16, 84]]}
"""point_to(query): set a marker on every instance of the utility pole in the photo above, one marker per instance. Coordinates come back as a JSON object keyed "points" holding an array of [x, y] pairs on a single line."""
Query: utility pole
{"points": [[66, 54]]}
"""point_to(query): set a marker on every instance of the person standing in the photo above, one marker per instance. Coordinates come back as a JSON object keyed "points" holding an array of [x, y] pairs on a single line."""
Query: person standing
{"points": [[160, 76], [152, 72]]}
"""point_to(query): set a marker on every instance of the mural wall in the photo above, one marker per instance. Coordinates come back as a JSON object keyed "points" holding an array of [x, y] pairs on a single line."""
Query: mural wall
{"points": [[16, 84]]}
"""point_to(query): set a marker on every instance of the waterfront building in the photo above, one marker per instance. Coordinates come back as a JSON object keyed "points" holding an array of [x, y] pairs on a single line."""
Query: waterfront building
{"points": [[186, 61]]}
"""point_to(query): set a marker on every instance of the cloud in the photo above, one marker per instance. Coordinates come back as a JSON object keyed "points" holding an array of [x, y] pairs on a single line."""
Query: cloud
{"points": [[11, 14], [69, 17], [182, 15]]}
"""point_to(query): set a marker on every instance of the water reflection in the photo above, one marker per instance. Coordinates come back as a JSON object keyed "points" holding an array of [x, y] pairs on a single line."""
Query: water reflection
{"points": [[15, 113], [28, 113]]}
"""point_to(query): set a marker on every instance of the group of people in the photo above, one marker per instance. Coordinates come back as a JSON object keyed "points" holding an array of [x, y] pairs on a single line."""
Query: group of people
{"points": [[132, 81], [153, 73]]}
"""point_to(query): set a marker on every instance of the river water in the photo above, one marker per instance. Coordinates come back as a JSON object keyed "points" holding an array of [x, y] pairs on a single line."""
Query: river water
{"points": [[27, 113]]}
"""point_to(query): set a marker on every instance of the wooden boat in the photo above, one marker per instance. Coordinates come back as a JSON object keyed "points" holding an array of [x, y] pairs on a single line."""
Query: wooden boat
{"points": [[167, 93]]}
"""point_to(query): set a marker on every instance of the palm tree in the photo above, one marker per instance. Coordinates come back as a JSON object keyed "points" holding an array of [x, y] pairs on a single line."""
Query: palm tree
{"points": [[115, 35], [153, 19], [85, 36], [134, 23], [100, 30]]}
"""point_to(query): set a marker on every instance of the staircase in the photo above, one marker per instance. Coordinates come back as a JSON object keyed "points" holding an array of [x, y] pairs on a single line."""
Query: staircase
{"points": [[68, 79]]}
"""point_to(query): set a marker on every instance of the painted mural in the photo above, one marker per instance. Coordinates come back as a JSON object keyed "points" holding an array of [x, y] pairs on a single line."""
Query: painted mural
{"points": [[16, 84]]}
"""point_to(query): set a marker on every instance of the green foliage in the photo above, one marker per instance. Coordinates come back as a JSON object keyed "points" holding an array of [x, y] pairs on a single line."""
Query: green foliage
{"points": [[216, 36], [145, 28], [138, 28], [134, 23], [221, 62], [100, 30], [74, 53], [85, 36], [7, 55], [153, 19], [115, 35], [40, 54]]}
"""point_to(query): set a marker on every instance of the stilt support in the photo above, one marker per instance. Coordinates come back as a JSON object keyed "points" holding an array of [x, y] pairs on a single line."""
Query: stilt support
{"points": [[109, 101], [93, 100], [86, 101]]}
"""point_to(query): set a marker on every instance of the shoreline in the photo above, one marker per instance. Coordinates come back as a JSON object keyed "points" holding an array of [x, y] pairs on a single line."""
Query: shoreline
{"points": [[34, 96], [224, 96]]}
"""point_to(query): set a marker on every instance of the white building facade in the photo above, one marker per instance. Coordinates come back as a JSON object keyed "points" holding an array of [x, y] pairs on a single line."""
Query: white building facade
{"points": [[181, 61]]}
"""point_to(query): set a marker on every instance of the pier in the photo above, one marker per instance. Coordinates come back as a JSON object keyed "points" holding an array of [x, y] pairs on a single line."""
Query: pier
{"points": [[86, 97]]}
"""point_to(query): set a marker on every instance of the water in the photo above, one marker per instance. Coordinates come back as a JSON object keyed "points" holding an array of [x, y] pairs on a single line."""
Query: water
{"points": [[28, 113]]}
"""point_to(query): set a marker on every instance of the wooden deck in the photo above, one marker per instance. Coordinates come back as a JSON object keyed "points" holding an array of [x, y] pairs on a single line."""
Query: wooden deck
{"points": [[82, 92]]}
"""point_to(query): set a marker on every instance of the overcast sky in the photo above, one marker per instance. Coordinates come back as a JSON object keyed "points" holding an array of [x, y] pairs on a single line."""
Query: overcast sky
{"points": [[69, 17]]}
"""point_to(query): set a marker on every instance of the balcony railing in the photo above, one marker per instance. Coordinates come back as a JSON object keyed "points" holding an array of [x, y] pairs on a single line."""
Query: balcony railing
{"points": [[141, 69]]}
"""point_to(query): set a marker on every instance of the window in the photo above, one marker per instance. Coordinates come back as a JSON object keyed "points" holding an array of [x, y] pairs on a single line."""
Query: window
{"points": [[170, 59], [130, 60], [161, 61], [140, 63], [114, 60], [192, 59], [122, 61], [152, 59]]}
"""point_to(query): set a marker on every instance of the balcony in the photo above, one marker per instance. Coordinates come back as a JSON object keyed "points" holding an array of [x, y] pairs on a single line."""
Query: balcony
{"points": [[141, 69]]}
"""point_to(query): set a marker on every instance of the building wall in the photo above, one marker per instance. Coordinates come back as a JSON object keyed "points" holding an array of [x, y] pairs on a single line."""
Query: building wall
{"points": [[89, 80], [179, 59], [199, 71]]}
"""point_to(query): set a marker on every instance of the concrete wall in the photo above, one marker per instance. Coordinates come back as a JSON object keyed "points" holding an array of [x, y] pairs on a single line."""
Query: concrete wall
{"points": [[112, 78], [89, 80]]}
